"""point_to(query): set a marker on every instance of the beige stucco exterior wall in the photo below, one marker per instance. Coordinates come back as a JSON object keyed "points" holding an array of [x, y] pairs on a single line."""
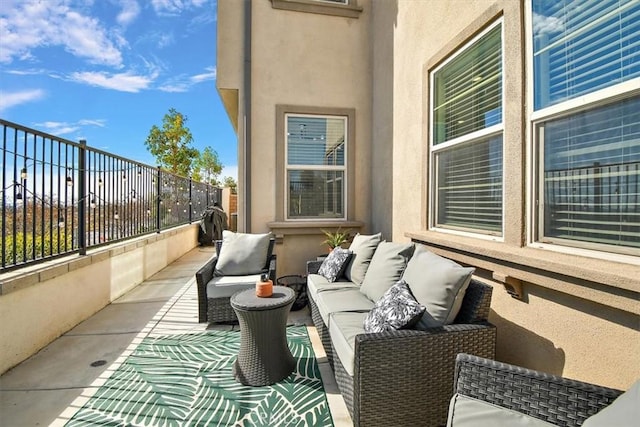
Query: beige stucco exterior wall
{"points": [[580, 315], [39, 305], [308, 60]]}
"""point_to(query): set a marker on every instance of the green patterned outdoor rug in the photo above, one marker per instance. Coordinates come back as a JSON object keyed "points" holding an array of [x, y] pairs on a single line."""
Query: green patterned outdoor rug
{"points": [[187, 380]]}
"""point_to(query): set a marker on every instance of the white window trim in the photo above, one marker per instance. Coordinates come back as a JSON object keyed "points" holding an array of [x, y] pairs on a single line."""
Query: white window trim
{"points": [[534, 157], [482, 133], [288, 167]]}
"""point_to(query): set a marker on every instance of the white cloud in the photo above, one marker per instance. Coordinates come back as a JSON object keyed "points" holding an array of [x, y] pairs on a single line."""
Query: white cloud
{"points": [[93, 122], [209, 75], [124, 82], [57, 128], [546, 24], [129, 13], [30, 24], [174, 7], [183, 82], [65, 128], [11, 99]]}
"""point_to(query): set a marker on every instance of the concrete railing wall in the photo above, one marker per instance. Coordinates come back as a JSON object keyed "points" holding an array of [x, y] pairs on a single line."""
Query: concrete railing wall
{"points": [[43, 302]]}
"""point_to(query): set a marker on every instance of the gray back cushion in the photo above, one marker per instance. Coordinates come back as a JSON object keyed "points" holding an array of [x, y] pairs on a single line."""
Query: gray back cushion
{"points": [[363, 248], [242, 254], [437, 283], [386, 267]]}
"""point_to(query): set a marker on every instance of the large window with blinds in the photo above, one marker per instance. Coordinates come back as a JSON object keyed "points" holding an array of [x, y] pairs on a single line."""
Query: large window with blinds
{"points": [[586, 122], [466, 139], [315, 166]]}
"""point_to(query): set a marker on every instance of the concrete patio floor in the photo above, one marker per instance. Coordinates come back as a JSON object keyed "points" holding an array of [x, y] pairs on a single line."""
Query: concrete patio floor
{"points": [[41, 391]]}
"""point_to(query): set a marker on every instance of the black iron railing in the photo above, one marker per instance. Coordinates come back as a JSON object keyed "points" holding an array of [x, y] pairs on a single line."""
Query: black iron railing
{"points": [[61, 197]]}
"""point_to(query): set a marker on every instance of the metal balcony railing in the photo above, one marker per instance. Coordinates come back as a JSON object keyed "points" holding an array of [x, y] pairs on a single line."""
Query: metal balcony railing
{"points": [[61, 197]]}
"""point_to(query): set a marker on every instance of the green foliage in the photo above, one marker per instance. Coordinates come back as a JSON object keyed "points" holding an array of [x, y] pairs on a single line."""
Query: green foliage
{"points": [[171, 145], [51, 244], [337, 238], [208, 166], [231, 183]]}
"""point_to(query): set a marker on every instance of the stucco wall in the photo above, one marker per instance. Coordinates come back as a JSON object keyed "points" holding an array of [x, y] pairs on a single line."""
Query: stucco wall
{"points": [[580, 316], [38, 306], [309, 60]]}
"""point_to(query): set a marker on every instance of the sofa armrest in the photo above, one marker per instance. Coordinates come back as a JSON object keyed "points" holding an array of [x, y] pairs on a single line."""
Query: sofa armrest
{"points": [[404, 376], [557, 400], [313, 266], [203, 276]]}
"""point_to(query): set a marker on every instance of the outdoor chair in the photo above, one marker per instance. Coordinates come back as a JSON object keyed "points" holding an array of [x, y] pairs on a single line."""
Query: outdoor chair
{"points": [[246, 258], [488, 391]]}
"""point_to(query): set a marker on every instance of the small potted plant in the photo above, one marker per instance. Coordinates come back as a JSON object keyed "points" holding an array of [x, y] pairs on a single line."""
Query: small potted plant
{"points": [[336, 238]]}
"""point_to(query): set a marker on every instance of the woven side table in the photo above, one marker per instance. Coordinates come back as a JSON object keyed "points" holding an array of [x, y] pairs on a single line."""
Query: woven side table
{"points": [[264, 357]]}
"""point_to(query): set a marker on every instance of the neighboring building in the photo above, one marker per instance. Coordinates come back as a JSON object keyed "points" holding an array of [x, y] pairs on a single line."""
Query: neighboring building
{"points": [[502, 134]]}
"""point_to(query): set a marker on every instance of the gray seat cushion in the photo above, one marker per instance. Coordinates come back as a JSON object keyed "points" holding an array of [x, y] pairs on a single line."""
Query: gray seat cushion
{"points": [[386, 267], [624, 411], [341, 300], [466, 411], [317, 283], [225, 286], [343, 328]]}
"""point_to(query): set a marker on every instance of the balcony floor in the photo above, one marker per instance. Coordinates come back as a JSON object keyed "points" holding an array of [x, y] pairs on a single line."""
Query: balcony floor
{"points": [[39, 390]]}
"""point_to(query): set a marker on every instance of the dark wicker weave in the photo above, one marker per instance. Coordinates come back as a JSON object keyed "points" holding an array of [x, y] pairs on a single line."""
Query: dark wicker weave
{"points": [[264, 357], [554, 399], [405, 377], [216, 310]]}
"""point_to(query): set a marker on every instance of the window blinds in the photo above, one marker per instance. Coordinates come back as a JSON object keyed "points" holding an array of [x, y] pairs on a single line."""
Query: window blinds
{"points": [[581, 47], [592, 175], [468, 90], [469, 186]]}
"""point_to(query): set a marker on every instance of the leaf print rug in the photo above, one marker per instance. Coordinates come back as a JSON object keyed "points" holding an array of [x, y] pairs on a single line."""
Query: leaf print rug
{"points": [[187, 380]]}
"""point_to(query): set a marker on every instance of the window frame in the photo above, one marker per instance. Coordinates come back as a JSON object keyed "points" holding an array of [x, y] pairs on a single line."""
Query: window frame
{"points": [[282, 167], [348, 9], [536, 119], [470, 138]]}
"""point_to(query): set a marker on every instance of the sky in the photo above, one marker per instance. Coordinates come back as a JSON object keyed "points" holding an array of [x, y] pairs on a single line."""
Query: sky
{"points": [[108, 70]]}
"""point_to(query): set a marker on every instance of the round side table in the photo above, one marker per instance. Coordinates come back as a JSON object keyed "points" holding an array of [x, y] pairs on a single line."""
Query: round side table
{"points": [[264, 357]]}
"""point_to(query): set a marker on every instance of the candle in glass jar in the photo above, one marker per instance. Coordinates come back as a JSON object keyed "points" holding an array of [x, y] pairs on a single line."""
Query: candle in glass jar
{"points": [[264, 288]]}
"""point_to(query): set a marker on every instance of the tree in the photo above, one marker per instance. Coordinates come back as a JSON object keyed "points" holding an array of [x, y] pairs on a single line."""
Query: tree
{"points": [[231, 183], [208, 166], [171, 145]]}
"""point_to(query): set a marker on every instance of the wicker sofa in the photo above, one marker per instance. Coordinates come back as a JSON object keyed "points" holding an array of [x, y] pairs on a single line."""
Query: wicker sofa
{"points": [[218, 309], [553, 399], [402, 377]]}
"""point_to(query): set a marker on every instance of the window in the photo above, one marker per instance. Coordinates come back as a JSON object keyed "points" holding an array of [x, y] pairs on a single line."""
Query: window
{"points": [[586, 123], [316, 166], [466, 139]]}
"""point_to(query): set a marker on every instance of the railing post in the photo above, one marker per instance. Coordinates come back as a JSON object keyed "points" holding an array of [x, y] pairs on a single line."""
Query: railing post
{"points": [[82, 195], [158, 199], [190, 205]]}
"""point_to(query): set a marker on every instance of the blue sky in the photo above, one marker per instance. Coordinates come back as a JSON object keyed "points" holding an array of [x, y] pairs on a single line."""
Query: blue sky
{"points": [[108, 70]]}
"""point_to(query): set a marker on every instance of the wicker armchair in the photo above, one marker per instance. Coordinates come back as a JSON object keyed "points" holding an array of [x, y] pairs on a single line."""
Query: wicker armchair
{"points": [[405, 377], [553, 399], [217, 310]]}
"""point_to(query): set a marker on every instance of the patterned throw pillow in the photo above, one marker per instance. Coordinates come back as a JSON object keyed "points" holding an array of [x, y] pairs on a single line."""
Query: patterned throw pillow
{"points": [[333, 265], [397, 309]]}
